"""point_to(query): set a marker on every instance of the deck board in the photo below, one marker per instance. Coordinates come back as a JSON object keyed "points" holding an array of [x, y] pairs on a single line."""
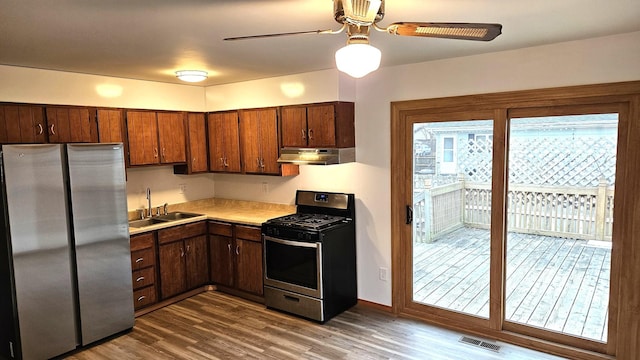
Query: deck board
{"points": [[558, 284]]}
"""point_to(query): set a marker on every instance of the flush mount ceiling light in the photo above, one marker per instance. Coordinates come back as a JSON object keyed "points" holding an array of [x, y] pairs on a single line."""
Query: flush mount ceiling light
{"points": [[358, 16], [358, 58], [191, 75]]}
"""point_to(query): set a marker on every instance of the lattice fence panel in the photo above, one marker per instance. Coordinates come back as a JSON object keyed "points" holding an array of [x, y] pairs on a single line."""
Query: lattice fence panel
{"points": [[549, 161]]}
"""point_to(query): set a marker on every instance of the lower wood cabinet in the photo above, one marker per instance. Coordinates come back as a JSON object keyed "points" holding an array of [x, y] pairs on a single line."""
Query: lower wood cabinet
{"points": [[236, 256], [143, 266], [183, 258], [174, 260]]}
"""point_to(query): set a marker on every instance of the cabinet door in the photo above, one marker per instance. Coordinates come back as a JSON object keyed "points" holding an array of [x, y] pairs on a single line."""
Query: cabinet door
{"points": [[197, 143], [220, 248], [250, 140], [172, 269], [110, 126], [142, 132], [69, 125], [197, 261], [321, 126], [20, 124], [224, 142], [294, 126], [259, 141], [249, 266], [269, 141], [171, 134]]}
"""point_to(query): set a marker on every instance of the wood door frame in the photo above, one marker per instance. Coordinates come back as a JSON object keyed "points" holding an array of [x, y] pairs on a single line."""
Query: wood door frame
{"points": [[625, 257]]}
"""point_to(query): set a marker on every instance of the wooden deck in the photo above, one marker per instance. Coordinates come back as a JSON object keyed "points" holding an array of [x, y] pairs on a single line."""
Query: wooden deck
{"points": [[552, 283]]}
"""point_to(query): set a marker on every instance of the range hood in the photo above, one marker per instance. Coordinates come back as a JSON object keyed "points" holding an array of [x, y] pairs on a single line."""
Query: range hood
{"points": [[306, 156]]}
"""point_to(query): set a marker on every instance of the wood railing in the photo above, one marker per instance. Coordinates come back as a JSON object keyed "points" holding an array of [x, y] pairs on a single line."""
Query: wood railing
{"points": [[573, 212]]}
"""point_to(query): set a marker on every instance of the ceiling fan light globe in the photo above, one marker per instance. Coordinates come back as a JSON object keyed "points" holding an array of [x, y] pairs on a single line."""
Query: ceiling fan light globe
{"points": [[357, 60], [191, 75]]}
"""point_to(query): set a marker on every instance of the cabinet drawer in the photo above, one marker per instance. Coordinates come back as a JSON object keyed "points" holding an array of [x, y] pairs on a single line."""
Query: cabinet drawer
{"points": [[143, 277], [142, 241], [142, 258], [248, 233], [144, 297], [181, 232], [219, 228]]}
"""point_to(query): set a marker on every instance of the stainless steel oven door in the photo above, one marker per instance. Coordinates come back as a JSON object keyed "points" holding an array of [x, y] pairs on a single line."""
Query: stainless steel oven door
{"points": [[292, 265]]}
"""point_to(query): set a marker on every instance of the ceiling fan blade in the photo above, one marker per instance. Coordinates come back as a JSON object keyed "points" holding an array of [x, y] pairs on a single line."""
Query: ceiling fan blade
{"points": [[280, 34], [462, 31]]}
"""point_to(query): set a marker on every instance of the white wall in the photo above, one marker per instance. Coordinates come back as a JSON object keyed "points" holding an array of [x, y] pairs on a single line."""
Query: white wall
{"points": [[600, 60], [320, 86], [37, 86]]}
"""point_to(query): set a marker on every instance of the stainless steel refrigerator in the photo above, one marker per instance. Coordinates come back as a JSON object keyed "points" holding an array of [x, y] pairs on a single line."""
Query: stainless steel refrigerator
{"points": [[65, 268]]}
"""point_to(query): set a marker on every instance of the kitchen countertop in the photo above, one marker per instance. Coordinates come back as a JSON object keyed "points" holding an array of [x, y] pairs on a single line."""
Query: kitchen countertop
{"points": [[235, 211]]}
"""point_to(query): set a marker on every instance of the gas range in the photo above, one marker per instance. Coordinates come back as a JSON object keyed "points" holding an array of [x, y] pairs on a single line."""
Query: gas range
{"points": [[310, 256], [308, 221], [317, 214]]}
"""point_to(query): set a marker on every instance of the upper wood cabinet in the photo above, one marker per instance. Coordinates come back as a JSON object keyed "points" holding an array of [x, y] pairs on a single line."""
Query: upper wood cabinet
{"points": [[196, 138], [171, 135], [71, 124], [259, 141], [110, 126], [22, 124], [156, 138], [142, 133], [329, 125], [224, 142]]}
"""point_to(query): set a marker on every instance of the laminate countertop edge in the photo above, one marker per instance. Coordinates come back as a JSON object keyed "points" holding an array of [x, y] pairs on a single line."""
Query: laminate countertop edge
{"points": [[230, 211]]}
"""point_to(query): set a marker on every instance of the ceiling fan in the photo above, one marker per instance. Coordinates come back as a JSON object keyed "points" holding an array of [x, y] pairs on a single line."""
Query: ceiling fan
{"points": [[358, 17]]}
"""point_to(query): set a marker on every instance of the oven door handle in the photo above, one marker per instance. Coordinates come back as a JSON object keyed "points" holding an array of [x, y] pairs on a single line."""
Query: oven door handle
{"points": [[291, 243]]}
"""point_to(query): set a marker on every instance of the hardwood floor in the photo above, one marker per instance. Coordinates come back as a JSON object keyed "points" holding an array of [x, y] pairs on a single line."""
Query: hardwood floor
{"points": [[559, 284], [213, 325]]}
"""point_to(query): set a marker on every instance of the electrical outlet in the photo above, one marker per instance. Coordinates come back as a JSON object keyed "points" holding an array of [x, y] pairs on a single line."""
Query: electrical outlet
{"points": [[265, 187], [382, 273], [183, 188]]}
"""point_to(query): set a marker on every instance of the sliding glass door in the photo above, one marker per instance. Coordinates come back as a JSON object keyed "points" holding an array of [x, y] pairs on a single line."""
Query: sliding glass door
{"points": [[512, 217], [562, 174], [452, 163]]}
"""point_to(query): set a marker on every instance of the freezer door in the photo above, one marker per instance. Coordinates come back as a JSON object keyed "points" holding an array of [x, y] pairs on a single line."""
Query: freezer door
{"points": [[101, 230], [39, 240]]}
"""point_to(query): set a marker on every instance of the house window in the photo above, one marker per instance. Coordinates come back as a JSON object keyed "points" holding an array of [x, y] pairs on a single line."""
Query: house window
{"points": [[448, 165]]}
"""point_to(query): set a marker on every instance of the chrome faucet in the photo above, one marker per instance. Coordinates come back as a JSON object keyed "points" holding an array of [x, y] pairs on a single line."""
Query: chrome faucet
{"points": [[149, 211]]}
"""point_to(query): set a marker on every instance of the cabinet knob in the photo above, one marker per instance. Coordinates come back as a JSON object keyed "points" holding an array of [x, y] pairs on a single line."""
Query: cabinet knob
{"points": [[142, 298], [53, 129], [40, 129], [229, 247], [163, 153], [237, 250], [310, 134], [141, 278], [155, 152], [139, 260], [304, 134]]}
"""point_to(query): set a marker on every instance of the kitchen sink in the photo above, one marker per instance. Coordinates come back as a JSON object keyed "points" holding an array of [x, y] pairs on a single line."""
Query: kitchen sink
{"points": [[146, 222], [162, 219], [177, 215]]}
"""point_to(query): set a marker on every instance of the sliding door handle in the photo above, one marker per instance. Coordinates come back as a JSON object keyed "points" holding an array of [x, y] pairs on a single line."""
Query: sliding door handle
{"points": [[409, 215]]}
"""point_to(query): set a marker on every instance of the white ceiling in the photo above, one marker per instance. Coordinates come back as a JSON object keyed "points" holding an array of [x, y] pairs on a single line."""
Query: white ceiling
{"points": [[151, 39]]}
